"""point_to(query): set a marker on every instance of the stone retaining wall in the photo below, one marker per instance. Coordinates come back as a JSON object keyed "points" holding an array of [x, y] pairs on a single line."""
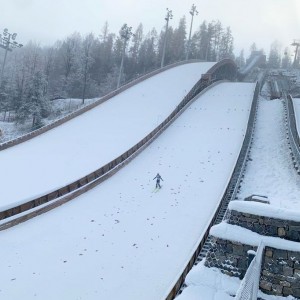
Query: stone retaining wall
{"points": [[228, 256], [280, 270], [280, 273], [286, 229]]}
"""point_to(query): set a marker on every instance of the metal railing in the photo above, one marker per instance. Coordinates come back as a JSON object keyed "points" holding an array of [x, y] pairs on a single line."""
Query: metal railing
{"points": [[250, 284], [292, 132]]}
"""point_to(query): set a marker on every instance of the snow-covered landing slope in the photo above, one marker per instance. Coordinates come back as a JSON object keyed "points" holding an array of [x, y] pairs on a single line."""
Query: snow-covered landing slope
{"points": [[80, 146], [270, 171], [121, 240]]}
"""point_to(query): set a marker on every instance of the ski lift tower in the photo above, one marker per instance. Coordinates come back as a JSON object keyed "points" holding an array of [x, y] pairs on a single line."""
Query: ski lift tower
{"points": [[296, 44]]}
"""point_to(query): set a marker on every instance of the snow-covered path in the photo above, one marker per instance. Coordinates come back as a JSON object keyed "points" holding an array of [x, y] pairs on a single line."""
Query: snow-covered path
{"points": [[270, 172], [121, 240], [86, 143]]}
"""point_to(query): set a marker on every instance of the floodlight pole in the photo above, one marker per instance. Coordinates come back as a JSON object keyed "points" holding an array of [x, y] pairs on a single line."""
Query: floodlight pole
{"points": [[296, 43], [193, 11], [125, 34], [7, 45], [167, 18]]}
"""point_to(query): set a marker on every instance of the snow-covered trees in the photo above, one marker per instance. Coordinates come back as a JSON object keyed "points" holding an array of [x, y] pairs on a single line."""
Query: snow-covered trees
{"points": [[240, 60], [211, 42], [86, 61], [147, 57], [178, 41], [274, 60], [286, 61], [226, 45], [35, 104], [87, 66]]}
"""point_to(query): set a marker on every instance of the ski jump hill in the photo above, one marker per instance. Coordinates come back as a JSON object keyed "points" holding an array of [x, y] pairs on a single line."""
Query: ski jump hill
{"points": [[66, 157], [120, 240]]}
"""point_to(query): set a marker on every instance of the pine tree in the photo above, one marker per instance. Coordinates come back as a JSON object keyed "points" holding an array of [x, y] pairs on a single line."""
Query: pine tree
{"points": [[216, 40], [226, 45], [253, 48], [86, 61], [103, 56], [286, 60], [147, 57], [274, 60], [240, 60], [133, 63], [69, 55], [199, 43], [178, 42], [35, 104]]}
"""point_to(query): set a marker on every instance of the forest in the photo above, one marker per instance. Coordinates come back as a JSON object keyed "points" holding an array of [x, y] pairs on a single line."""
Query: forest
{"points": [[88, 66]]}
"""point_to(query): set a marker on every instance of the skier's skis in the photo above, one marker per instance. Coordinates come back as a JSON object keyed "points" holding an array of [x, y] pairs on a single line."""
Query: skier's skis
{"points": [[157, 189]]}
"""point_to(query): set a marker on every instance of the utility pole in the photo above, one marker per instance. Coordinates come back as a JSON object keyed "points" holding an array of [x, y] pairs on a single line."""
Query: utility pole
{"points": [[167, 18], [125, 34], [193, 11], [296, 43], [8, 43]]}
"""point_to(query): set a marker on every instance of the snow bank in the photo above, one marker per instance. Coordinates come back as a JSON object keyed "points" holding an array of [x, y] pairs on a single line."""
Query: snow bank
{"points": [[244, 236], [260, 209], [208, 283]]}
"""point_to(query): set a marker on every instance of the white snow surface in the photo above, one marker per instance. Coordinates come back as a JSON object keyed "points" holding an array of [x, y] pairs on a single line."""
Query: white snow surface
{"points": [[265, 210], [86, 143], [208, 284], [270, 171], [211, 284], [242, 235], [122, 240]]}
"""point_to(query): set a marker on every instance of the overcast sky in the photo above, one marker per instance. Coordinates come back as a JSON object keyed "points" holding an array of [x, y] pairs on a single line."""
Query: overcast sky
{"points": [[45, 21]]}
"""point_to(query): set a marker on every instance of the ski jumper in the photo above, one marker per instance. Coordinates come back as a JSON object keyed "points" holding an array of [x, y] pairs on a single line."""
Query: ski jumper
{"points": [[158, 178]]}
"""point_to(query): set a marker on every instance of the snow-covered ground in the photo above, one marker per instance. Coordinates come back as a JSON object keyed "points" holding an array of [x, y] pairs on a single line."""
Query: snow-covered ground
{"points": [[270, 171], [209, 284], [121, 240], [212, 284], [80, 146], [59, 109]]}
